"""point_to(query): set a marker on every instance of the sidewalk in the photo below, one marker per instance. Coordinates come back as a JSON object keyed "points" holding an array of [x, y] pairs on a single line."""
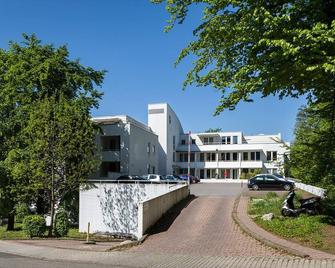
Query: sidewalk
{"points": [[250, 227], [126, 259]]}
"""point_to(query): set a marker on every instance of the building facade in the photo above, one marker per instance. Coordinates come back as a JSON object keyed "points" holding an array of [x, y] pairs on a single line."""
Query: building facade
{"points": [[227, 155], [126, 146], [130, 147]]}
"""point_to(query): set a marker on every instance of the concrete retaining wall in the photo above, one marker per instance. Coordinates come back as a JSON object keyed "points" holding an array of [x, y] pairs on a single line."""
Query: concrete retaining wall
{"points": [[311, 189], [150, 211], [113, 208]]}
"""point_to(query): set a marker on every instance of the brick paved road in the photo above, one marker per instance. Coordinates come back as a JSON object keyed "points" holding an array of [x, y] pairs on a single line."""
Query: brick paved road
{"points": [[205, 227]]}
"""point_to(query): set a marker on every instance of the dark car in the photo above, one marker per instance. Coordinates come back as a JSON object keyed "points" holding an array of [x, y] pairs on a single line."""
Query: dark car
{"points": [[269, 181], [171, 178], [193, 179]]}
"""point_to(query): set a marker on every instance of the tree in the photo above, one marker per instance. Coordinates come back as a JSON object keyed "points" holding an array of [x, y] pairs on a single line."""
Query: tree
{"points": [[284, 48], [213, 130], [32, 74], [312, 156], [61, 147]]}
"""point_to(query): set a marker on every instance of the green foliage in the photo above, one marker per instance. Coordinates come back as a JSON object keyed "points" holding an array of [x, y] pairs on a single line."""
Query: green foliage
{"points": [[34, 225], [62, 225], [21, 211], [242, 47], [248, 175], [46, 133], [212, 130], [313, 151], [307, 229]]}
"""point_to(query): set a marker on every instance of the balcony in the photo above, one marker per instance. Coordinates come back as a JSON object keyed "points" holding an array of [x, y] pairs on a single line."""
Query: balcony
{"points": [[222, 164]]}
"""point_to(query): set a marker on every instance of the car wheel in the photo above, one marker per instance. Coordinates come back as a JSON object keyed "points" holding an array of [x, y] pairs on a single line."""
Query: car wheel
{"points": [[255, 187], [287, 187]]}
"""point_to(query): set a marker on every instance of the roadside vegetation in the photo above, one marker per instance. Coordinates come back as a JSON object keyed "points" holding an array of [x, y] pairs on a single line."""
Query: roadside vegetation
{"points": [[312, 231]]}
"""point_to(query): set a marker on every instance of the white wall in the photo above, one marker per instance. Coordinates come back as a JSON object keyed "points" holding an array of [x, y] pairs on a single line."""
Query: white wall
{"points": [[113, 208], [139, 158]]}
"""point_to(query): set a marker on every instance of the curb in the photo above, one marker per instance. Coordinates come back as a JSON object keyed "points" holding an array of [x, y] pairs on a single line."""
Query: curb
{"points": [[261, 239], [128, 245]]}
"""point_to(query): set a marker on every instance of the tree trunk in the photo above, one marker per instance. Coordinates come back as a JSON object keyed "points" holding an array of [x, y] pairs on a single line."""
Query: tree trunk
{"points": [[11, 221], [52, 209]]}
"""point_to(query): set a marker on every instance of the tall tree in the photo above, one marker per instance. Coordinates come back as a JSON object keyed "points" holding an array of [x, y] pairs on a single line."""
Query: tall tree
{"points": [[284, 48], [313, 151], [61, 149], [31, 72]]}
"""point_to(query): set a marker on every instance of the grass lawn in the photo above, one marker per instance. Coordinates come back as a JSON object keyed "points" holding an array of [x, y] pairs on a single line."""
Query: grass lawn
{"points": [[313, 231], [74, 233]]}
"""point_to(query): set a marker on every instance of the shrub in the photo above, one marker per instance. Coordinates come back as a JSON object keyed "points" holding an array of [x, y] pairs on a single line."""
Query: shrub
{"points": [[34, 225], [22, 211], [62, 225]]}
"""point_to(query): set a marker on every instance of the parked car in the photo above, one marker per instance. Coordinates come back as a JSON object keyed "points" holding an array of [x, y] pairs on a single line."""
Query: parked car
{"points": [[193, 179], [269, 181], [171, 178], [130, 178], [153, 177]]}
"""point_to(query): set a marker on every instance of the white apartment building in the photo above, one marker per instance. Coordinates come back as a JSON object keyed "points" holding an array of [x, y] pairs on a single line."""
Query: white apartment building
{"points": [[126, 146], [130, 147], [226, 155]]}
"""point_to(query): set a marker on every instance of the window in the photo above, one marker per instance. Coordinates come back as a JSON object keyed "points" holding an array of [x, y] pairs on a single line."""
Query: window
{"points": [[153, 148], [210, 140], [208, 173], [245, 156], [169, 119], [245, 170], [235, 139], [226, 140], [202, 157], [223, 156], [227, 156], [183, 142], [181, 157], [234, 156], [259, 178], [174, 156], [148, 147], [153, 170], [252, 156], [208, 157], [205, 140], [191, 157], [193, 141], [148, 170], [269, 178], [271, 156], [202, 173], [274, 156], [174, 142], [213, 156], [110, 143], [258, 156]]}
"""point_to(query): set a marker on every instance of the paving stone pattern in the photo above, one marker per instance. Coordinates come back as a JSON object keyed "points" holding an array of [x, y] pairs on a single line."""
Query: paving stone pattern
{"points": [[205, 228]]}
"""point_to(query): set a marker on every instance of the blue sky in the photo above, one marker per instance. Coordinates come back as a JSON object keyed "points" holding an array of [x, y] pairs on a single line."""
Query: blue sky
{"points": [[126, 38]]}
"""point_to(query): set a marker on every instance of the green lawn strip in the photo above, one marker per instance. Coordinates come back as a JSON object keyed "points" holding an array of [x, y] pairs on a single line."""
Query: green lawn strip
{"points": [[307, 230], [19, 234]]}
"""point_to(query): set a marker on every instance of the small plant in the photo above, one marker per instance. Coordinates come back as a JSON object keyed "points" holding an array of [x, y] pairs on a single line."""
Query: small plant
{"points": [[34, 225], [62, 225], [22, 211]]}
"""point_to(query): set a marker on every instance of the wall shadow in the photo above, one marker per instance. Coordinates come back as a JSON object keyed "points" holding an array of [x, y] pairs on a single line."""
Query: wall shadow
{"points": [[164, 223]]}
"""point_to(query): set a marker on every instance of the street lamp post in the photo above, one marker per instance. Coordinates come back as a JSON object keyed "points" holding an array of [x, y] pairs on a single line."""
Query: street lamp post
{"points": [[189, 159]]}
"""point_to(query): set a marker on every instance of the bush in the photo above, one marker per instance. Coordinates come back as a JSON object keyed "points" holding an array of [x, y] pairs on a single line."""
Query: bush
{"points": [[62, 225], [34, 225], [22, 211]]}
